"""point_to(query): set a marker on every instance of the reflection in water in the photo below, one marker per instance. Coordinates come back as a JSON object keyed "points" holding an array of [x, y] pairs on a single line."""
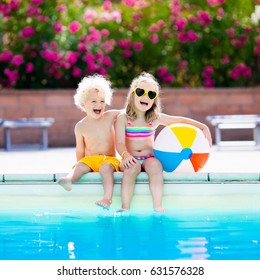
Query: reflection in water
{"points": [[195, 247], [136, 236]]}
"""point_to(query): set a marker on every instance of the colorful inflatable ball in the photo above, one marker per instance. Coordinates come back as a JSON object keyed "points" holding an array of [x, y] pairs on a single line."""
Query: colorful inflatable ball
{"points": [[181, 148]]}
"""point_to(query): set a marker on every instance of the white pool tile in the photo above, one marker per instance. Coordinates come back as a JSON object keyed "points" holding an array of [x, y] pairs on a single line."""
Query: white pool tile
{"points": [[28, 177], [221, 176]]}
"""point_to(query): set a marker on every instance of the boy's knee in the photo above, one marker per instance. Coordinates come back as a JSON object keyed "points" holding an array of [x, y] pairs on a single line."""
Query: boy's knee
{"points": [[82, 166], [106, 168]]}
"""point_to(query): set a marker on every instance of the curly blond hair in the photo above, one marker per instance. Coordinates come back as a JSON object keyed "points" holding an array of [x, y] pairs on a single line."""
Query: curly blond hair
{"points": [[90, 83]]}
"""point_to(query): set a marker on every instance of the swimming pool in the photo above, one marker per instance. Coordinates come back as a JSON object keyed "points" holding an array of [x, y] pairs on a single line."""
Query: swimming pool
{"points": [[209, 217]]}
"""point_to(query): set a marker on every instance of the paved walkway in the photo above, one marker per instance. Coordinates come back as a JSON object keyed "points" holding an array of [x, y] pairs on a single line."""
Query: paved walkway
{"points": [[60, 160]]}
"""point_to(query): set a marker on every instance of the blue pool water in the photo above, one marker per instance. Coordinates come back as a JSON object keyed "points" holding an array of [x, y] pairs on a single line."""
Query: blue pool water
{"points": [[107, 235]]}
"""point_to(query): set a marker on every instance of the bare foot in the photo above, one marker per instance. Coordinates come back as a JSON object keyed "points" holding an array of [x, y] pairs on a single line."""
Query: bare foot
{"points": [[160, 210], [104, 203], [65, 183]]}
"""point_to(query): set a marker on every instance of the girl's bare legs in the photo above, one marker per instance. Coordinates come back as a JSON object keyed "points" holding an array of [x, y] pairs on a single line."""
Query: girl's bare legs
{"points": [[107, 173], [128, 184], [74, 175], [155, 173]]}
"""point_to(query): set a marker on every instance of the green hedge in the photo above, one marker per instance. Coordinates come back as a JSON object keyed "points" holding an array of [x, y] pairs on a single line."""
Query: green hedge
{"points": [[195, 43]]}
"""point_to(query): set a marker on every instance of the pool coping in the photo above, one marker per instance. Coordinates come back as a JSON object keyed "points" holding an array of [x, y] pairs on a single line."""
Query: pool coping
{"points": [[248, 177], [181, 190]]}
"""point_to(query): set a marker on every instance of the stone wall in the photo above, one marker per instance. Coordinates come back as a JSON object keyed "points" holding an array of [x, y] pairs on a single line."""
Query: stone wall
{"points": [[58, 104]]}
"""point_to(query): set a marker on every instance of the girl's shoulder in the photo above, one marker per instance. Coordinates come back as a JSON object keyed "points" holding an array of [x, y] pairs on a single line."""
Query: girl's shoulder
{"points": [[122, 116], [122, 119], [156, 122]]}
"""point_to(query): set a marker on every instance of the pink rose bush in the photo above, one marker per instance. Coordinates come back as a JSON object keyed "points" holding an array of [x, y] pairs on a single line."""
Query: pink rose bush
{"points": [[53, 44]]}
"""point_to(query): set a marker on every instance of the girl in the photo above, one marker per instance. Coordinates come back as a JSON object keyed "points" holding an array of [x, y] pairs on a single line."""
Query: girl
{"points": [[135, 129]]}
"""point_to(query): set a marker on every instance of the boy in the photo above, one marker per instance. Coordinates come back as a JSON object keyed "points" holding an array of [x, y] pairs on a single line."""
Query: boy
{"points": [[95, 139]]}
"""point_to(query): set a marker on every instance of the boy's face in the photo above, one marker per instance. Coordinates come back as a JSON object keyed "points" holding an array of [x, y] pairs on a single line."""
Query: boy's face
{"points": [[144, 103], [95, 104]]}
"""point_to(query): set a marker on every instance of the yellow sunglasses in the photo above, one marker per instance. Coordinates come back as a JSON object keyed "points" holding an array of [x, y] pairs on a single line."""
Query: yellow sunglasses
{"points": [[140, 92]]}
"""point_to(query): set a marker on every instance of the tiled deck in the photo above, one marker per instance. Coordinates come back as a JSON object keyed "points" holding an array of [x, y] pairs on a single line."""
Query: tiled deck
{"points": [[229, 165]]}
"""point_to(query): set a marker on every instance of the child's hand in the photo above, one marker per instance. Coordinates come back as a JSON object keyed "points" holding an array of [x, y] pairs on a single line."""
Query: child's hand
{"points": [[129, 161], [207, 134]]}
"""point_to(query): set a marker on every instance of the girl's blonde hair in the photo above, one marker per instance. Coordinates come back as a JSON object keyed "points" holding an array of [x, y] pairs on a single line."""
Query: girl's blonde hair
{"points": [[153, 113], [90, 83]]}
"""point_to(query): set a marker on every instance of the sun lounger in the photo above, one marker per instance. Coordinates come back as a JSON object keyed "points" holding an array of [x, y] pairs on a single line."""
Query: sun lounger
{"points": [[42, 123], [230, 122]]}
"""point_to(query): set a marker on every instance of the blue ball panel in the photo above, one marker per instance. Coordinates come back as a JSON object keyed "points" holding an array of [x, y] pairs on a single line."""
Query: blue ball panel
{"points": [[169, 160]]}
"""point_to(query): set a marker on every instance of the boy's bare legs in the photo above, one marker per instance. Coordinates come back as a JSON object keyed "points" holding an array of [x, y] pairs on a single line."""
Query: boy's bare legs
{"points": [[128, 185], [74, 175], [107, 173], [154, 170]]}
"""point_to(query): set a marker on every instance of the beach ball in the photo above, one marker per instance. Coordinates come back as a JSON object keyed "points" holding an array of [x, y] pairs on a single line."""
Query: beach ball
{"points": [[181, 148]]}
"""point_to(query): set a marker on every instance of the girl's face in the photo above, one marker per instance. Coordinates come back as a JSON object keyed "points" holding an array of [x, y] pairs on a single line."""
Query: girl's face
{"points": [[143, 103], [95, 104]]}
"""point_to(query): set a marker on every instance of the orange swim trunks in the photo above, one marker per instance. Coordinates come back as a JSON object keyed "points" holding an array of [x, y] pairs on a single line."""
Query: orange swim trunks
{"points": [[95, 162]]}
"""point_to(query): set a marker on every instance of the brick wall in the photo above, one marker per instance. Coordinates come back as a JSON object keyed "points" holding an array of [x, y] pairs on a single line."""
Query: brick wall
{"points": [[58, 104]]}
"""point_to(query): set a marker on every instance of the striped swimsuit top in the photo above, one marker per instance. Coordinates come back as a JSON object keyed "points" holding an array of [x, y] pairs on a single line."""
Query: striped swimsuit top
{"points": [[132, 131]]}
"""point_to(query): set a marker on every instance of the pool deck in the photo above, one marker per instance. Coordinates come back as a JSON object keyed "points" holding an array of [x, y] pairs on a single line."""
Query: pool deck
{"points": [[234, 162], [230, 175]]}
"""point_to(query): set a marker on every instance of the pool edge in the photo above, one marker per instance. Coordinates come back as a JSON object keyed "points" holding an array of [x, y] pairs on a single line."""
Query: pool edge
{"points": [[95, 177]]}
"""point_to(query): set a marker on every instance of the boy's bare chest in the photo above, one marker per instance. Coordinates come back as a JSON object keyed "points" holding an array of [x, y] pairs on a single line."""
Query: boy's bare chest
{"points": [[95, 132]]}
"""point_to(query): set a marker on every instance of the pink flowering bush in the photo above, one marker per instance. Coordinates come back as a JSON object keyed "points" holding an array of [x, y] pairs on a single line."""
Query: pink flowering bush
{"points": [[196, 43]]}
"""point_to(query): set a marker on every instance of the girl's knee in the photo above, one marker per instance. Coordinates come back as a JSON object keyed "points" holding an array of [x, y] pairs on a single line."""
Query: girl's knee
{"points": [[152, 166], [133, 170]]}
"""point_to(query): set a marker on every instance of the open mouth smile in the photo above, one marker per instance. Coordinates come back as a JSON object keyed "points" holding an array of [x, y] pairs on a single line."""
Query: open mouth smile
{"points": [[144, 103], [97, 111]]}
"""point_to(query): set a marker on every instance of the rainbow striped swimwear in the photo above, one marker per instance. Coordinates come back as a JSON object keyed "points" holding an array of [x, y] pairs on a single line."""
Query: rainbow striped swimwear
{"points": [[139, 131], [141, 159]]}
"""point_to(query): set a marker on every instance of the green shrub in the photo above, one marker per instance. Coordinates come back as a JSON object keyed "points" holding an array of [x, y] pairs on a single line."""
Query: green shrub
{"points": [[53, 44]]}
